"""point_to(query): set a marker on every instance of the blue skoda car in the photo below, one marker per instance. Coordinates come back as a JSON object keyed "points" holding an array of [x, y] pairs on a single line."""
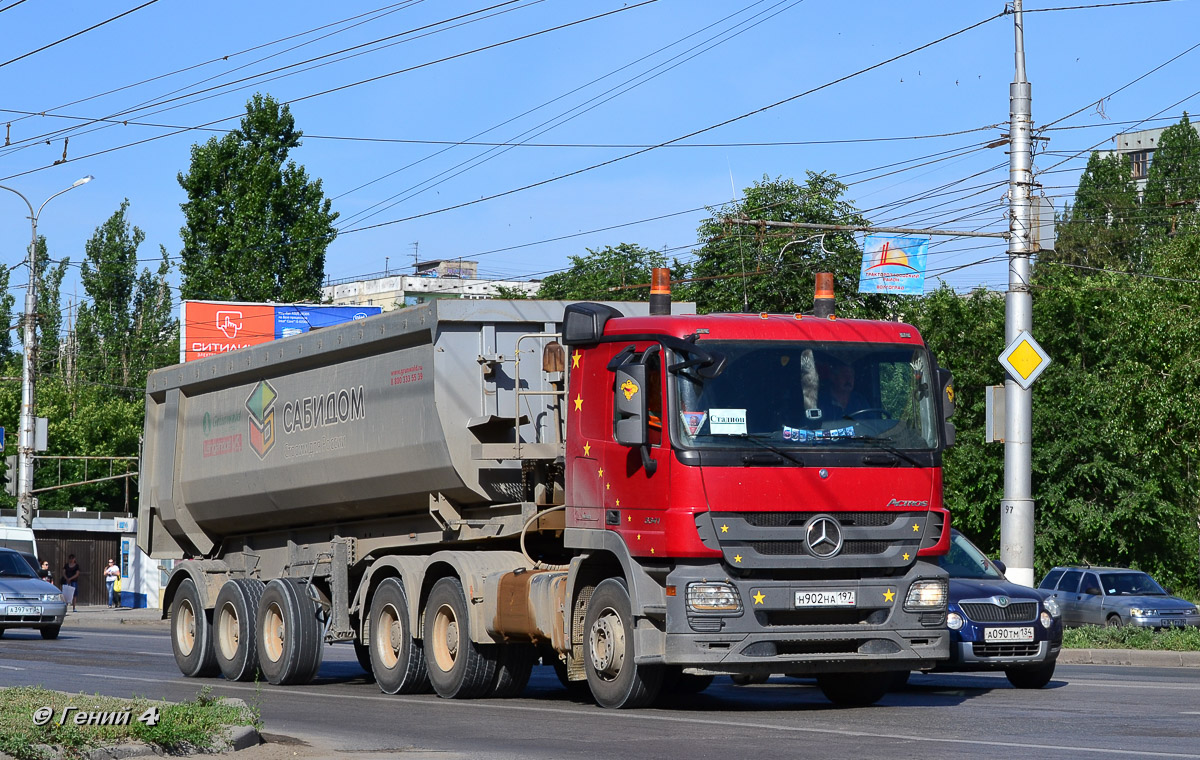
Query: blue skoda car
{"points": [[995, 624]]}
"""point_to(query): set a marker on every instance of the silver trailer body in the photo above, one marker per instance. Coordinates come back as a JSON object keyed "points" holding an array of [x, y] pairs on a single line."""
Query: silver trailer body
{"points": [[376, 418]]}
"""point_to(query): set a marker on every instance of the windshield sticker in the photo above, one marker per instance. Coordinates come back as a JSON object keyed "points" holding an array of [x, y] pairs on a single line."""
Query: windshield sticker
{"points": [[727, 421], [629, 388], [693, 421], [816, 436]]}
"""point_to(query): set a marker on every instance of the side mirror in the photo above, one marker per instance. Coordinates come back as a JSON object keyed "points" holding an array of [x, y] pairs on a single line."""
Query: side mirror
{"points": [[1092, 590], [631, 426], [1000, 566], [946, 383]]}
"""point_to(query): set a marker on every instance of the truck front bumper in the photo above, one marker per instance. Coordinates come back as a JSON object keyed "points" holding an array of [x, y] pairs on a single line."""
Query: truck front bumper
{"points": [[779, 629]]}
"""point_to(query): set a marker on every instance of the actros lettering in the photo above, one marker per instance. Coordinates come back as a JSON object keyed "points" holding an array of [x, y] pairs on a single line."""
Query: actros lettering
{"points": [[333, 408]]}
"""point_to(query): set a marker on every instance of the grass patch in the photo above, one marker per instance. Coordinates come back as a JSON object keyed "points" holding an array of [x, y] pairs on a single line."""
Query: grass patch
{"points": [[1132, 637], [196, 725]]}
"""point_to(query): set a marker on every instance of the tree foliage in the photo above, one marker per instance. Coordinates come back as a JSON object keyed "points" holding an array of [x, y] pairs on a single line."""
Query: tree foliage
{"points": [[593, 277], [256, 227], [1173, 183], [1102, 229]]}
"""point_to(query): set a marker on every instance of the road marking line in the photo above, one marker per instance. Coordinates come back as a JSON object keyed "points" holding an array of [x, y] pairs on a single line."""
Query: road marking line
{"points": [[649, 717], [10, 667]]}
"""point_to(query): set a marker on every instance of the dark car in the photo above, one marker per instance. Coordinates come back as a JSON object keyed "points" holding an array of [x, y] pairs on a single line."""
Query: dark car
{"points": [[1116, 596], [26, 601], [995, 624]]}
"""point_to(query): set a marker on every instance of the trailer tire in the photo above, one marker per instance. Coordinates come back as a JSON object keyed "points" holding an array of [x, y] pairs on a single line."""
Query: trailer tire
{"points": [[458, 667], [609, 651], [362, 653], [235, 624], [290, 637], [514, 665], [396, 658], [191, 633], [854, 689]]}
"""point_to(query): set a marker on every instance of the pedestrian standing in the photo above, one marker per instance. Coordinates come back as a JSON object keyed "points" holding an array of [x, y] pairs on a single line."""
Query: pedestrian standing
{"points": [[45, 573], [71, 578], [111, 573]]}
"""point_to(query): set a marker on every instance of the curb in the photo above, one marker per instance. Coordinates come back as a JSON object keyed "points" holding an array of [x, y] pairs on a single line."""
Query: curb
{"points": [[1145, 658]]}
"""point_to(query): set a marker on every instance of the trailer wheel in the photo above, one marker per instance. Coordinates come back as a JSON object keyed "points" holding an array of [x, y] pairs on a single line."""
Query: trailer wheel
{"points": [[396, 658], [290, 637], [234, 622], [513, 668], [458, 667], [854, 689], [191, 633], [609, 651], [362, 653]]}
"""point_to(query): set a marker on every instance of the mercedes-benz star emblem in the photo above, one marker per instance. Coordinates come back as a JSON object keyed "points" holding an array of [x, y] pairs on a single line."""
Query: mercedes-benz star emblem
{"points": [[823, 535]]}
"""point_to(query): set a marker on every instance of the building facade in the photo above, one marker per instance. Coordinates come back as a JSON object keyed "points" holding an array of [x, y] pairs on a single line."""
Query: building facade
{"points": [[439, 278]]}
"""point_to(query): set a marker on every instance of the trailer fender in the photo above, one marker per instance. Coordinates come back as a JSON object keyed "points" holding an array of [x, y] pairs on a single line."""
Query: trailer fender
{"points": [[472, 569], [409, 570], [646, 595], [208, 575]]}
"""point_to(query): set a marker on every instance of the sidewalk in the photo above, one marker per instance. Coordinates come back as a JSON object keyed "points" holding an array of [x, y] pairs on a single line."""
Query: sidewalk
{"points": [[100, 616]]}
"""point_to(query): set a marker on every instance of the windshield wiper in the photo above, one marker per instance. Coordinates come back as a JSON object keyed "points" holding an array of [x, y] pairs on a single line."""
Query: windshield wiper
{"points": [[756, 438], [886, 446]]}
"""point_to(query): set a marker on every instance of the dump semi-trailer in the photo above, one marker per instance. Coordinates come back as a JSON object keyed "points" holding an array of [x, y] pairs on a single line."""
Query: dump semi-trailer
{"points": [[642, 500]]}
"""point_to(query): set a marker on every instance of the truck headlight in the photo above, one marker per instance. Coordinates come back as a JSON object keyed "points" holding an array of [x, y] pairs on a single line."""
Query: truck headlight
{"points": [[1051, 606], [928, 594], [954, 621], [713, 597]]}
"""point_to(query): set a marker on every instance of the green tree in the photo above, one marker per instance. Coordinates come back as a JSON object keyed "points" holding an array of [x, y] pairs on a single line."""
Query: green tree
{"points": [[256, 227], [1102, 229], [1173, 183], [741, 268], [127, 328], [593, 277], [48, 358]]}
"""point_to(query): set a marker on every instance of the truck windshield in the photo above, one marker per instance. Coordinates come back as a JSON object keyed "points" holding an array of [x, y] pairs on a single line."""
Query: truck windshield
{"points": [[810, 396]]}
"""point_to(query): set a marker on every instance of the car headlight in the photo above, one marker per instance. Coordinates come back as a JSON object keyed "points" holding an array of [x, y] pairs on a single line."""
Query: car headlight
{"points": [[954, 621], [1051, 606], [52, 597], [713, 597], [1046, 619], [928, 594], [1140, 612], [1191, 611]]}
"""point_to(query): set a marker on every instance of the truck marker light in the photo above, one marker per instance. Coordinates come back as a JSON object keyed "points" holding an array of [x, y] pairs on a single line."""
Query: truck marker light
{"points": [[889, 595], [724, 528], [758, 597], [578, 402], [587, 449], [575, 361]]}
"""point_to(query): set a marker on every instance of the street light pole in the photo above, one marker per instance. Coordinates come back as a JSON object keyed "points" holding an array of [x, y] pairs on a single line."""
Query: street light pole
{"points": [[1017, 506], [25, 432]]}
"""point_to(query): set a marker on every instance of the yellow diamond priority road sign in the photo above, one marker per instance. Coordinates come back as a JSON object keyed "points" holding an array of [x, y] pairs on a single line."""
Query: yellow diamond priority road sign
{"points": [[1024, 360]]}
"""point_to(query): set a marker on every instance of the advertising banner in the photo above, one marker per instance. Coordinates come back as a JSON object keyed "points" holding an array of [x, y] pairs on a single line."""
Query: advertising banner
{"points": [[216, 327], [894, 265]]}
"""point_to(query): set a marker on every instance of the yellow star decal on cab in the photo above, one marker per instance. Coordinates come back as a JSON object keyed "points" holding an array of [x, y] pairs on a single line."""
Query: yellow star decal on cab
{"points": [[889, 595], [607, 486], [758, 597], [724, 528], [619, 504], [600, 473], [574, 361], [651, 549], [906, 556], [737, 558], [639, 537], [587, 449], [578, 403], [916, 528]]}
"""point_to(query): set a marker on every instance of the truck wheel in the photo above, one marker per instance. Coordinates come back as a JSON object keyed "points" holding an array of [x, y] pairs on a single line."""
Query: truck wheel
{"points": [[514, 665], [396, 658], [191, 633], [854, 689], [1030, 678], [609, 651], [234, 621], [290, 637], [458, 667]]}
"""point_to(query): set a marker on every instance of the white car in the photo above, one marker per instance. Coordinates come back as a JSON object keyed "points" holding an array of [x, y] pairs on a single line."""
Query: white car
{"points": [[26, 601]]}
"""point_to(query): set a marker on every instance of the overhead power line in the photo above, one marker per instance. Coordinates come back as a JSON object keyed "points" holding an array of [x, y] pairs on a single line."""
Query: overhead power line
{"points": [[76, 34]]}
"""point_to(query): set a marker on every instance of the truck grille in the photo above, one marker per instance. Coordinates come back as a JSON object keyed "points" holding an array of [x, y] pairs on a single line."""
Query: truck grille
{"points": [[778, 548], [786, 519], [1028, 649], [985, 612]]}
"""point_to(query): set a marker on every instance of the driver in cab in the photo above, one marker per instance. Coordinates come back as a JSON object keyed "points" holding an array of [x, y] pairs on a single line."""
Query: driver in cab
{"points": [[838, 399]]}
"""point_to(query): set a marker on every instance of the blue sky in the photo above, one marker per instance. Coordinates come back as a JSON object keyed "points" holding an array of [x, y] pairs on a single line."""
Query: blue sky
{"points": [[780, 49]]}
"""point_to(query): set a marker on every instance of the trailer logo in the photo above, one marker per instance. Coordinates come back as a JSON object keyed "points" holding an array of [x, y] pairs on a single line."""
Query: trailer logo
{"points": [[261, 406]]}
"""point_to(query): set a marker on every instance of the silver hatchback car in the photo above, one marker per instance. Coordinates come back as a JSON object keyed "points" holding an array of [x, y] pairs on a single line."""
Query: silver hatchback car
{"points": [[1116, 596], [27, 601]]}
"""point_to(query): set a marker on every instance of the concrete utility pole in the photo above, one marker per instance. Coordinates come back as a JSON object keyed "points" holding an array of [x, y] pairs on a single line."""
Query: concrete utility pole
{"points": [[1016, 509], [25, 432]]}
